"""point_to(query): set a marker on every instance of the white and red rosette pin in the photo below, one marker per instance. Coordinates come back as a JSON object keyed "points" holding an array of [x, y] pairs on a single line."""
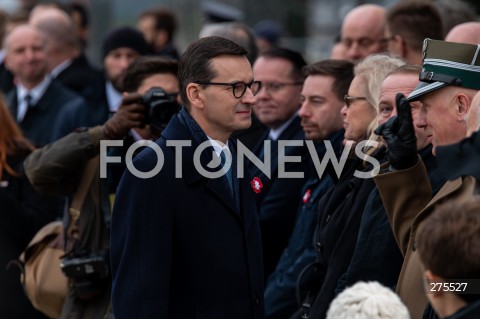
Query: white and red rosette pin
{"points": [[256, 184]]}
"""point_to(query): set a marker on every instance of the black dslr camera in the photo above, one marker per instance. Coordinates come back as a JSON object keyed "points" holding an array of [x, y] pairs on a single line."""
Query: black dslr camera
{"points": [[82, 267], [159, 108], [90, 273]]}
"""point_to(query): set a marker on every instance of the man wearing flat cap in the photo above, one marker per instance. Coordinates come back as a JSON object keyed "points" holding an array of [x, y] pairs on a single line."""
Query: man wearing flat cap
{"points": [[448, 83]]}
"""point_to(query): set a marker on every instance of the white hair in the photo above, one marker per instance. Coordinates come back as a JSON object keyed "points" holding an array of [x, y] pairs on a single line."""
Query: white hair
{"points": [[367, 300]]}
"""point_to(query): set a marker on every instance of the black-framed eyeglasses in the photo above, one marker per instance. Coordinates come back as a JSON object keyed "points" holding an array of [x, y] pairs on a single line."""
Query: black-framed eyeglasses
{"points": [[274, 87], [238, 88], [349, 99]]}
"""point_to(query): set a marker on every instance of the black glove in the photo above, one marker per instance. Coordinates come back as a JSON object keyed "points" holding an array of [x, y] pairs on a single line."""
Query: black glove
{"points": [[399, 134]]}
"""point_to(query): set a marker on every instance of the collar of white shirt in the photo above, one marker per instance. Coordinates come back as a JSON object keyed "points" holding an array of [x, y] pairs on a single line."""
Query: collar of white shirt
{"points": [[114, 97], [59, 68], [274, 134], [36, 93], [219, 147]]}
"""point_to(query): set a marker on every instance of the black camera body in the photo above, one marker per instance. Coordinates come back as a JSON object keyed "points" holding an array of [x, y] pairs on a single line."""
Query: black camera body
{"points": [[159, 107], [94, 265], [89, 274]]}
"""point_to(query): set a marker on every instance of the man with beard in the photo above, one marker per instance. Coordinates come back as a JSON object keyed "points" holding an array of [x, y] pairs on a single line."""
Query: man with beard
{"points": [[120, 48], [322, 99]]}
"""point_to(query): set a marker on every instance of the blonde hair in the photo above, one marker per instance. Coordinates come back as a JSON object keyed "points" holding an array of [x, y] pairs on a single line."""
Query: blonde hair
{"points": [[373, 70]]}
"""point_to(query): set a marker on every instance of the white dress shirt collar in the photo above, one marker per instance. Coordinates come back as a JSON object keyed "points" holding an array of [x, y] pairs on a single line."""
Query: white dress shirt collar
{"points": [[114, 97], [36, 94], [274, 134], [59, 68]]}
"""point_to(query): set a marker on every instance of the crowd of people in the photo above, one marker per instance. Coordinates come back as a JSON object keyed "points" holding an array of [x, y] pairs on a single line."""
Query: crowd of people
{"points": [[261, 185]]}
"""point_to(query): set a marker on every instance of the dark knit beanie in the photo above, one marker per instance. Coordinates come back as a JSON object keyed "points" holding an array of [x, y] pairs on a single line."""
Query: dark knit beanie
{"points": [[125, 37]]}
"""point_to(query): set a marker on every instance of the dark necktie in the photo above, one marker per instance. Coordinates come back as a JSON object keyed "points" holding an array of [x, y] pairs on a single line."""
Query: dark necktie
{"points": [[28, 100], [29, 104], [228, 174]]}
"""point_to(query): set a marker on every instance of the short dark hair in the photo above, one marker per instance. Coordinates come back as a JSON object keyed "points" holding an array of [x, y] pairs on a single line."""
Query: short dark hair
{"points": [[82, 11], [448, 241], [340, 70], [415, 20], [144, 67], [164, 19], [292, 56], [195, 64], [454, 12]]}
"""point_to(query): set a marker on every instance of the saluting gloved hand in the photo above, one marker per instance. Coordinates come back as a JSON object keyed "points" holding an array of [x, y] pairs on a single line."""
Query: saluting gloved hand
{"points": [[130, 114], [399, 134]]}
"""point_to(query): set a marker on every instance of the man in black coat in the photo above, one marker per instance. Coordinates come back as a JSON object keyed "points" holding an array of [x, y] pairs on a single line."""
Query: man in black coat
{"points": [[37, 102], [326, 84], [65, 61], [276, 106], [120, 48], [186, 243]]}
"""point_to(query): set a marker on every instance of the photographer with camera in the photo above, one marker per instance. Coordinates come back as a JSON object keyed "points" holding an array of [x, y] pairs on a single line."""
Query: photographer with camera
{"points": [[151, 87]]}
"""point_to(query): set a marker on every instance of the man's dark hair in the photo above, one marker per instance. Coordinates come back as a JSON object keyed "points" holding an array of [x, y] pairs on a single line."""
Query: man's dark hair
{"points": [[454, 12], [82, 11], [144, 67], [293, 57], [196, 63], [415, 20], [340, 70], [448, 241], [164, 19]]}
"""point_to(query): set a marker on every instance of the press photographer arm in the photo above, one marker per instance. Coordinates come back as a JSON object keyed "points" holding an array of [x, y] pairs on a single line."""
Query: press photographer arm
{"points": [[56, 168]]}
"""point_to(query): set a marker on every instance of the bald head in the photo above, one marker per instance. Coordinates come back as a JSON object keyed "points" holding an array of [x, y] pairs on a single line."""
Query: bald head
{"points": [[45, 13], [56, 24], [473, 117], [59, 29], [468, 32], [21, 31], [25, 54], [362, 31]]}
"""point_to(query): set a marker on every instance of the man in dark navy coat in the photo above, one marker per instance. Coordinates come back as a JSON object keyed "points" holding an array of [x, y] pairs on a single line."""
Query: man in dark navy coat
{"points": [[276, 106], [186, 244]]}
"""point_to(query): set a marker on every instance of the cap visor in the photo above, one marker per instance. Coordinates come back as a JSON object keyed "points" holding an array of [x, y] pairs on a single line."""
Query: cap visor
{"points": [[423, 88]]}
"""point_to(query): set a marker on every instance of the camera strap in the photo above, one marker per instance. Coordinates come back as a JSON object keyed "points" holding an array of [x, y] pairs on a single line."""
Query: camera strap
{"points": [[77, 202]]}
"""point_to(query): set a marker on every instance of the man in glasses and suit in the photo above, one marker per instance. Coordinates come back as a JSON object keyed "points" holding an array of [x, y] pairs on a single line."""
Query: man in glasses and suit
{"points": [[276, 106], [185, 242]]}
